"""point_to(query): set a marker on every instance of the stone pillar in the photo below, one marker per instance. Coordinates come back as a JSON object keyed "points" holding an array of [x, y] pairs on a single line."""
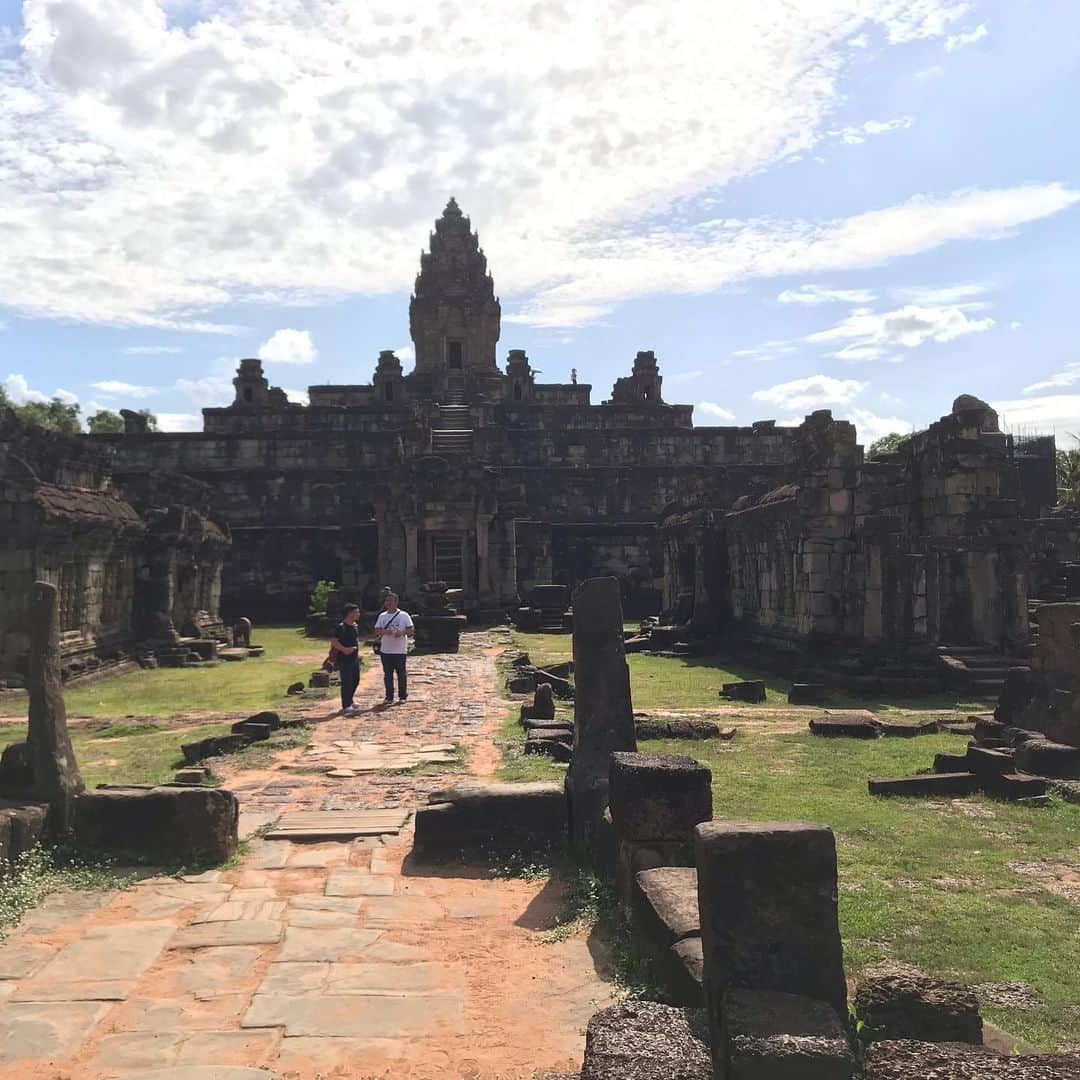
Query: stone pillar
{"points": [[412, 562], [767, 897], [56, 772], [603, 713], [483, 565]]}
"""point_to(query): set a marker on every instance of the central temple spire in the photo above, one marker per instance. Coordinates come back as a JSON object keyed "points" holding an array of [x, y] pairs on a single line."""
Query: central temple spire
{"points": [[454, 314]]}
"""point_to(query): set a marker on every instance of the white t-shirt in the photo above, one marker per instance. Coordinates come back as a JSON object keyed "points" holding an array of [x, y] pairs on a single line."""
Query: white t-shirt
{"points": [[392, 644]]}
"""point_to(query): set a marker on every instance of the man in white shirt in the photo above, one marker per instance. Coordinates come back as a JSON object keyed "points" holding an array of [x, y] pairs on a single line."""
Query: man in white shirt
{"points": [[393, 628]]}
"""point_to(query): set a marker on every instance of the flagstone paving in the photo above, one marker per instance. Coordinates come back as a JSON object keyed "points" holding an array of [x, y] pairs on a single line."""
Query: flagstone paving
{"points": [[331, 959]]}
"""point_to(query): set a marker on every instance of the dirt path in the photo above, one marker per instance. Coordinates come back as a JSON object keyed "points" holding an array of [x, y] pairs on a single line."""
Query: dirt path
{"points": [[327, 960]]}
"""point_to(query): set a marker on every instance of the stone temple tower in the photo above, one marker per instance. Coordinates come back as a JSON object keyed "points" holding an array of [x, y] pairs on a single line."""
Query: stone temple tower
{"points": [[454, 313]]}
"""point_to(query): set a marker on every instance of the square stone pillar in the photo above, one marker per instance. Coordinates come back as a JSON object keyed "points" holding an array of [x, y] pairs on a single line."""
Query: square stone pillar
{"points": [[412, 562], [767, 896], [483, 561]]}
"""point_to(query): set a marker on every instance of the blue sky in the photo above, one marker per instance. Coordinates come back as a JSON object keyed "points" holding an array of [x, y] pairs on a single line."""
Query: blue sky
{"points": [[870, 207]]}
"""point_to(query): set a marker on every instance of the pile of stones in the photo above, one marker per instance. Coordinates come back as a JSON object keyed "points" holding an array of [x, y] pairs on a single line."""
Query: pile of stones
{"points": [[255, 728], [548, 611]]}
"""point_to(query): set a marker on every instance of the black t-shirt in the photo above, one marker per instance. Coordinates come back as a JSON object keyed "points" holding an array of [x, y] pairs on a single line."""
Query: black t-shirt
{"points": [[346, 634]]}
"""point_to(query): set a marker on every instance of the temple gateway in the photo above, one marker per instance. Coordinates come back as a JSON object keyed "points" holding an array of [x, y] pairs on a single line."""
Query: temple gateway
{"points": [[784, 538]]}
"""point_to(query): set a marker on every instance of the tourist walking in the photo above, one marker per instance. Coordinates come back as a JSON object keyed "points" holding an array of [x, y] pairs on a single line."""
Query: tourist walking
{"points": [[393, 628], [346, 644]]}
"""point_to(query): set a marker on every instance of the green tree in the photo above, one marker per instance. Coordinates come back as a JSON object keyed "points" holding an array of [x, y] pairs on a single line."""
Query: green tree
{"points": [[887, 444], [320, 596], [105, 423], [151, 420], [1068, 478], [54, 415]]}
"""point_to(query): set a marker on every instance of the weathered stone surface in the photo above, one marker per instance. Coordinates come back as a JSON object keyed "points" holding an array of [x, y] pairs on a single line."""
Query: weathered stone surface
{"points": [[925, 785], [1015, 786], [22, 827], [543, 704], [50, 1030], [237, 932], [214, 746], [603, 713], [1045, 758], [776, 1036], [683, 977], [373, 1016], [492, 817], [682, 728], [897, 1002], [852, 725], [908, 1060], [950, 763], [658, 796], [189, 825], [906, 729], [752, 691], [767, 893], [665, 905], [986, 763], [645, 1041]]}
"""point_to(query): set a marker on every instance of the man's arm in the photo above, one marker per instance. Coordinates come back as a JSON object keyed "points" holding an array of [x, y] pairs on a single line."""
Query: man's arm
{"points": [[346, 650]]}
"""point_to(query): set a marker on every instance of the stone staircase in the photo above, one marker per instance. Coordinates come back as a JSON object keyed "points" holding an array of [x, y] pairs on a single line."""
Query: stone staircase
{"points": [[976, 669], [453, 433]]}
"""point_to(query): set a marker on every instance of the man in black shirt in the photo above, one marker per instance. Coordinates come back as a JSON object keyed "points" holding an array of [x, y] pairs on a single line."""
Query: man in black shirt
{"points": [[346, 643]]}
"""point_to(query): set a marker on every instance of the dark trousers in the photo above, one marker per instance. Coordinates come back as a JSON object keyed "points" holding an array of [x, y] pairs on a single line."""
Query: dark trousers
{"points": [[390, 663], [350, 676]]}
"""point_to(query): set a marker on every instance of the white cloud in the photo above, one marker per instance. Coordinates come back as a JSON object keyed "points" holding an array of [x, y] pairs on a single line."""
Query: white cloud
{"points": [[170, 421], [152, 350], [853, 136], [968, 294], [714, 411], [684, 376], [812, 392], [209, 391], [18, 389], [872, 335], [153, 168], [1014, 325], [869, 426], [1068, 376], [766, 350], [820, 294], [1054, 414], [287, 346], [958, 41], [297, 397], [117, 388]]}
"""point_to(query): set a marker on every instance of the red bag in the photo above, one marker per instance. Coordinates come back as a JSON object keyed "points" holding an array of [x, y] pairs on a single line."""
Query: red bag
{"points": [[331, 661]]}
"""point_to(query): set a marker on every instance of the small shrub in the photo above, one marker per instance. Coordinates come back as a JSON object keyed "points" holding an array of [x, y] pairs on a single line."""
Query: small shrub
{"points": [[320, 596]]}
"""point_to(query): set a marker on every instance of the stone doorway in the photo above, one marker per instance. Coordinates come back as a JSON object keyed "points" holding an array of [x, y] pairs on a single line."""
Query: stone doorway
{"points": [[447, 560]]}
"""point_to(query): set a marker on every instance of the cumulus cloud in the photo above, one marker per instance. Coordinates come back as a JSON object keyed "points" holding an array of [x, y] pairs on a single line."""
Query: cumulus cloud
{"points": [[812, 392], [117, 388], [714, 411], [154, 167], [18, 389], [287, 346], [870, 427], [1068, 376], [1054, 414], [297, 397], [873, 335], [207, 392], [820, 294], [853, 136]]}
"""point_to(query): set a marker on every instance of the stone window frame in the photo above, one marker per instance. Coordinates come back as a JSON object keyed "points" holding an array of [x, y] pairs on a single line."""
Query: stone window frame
{"points": [[69, 595]]}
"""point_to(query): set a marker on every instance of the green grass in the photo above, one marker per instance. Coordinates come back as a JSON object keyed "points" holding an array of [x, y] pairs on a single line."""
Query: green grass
{"points": [[922, 881], [517, 766], [660, 682], [250, 685]]}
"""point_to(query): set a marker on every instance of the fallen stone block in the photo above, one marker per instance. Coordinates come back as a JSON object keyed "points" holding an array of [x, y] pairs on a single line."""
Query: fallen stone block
{"points": [[255, 732], [658, 796], [767, 897], [950, 763], [270, 719], [191, 776], [752, 691], [986, 727], [295, 688], [986, 763], [851, 725], [22, 826], [1014, 786], [557, 749], [645, 1041], [776, 1036], [478, 818], [319, 680], [911, 1060], [214, 746], [665, 905], [925, 785], [682, 978], [188, 825], [898, 1002], [554, 724], [1069, 790], [808, 694], [1052, 759], [959, 727], [521, 684]]}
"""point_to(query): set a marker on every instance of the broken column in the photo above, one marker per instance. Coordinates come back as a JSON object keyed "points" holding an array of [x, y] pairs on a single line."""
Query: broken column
{"points": [[603, 714], [48, 744], [767, 894]]}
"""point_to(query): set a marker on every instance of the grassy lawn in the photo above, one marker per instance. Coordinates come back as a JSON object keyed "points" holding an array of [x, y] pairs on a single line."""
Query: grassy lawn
{"points": [[948, 886], [125, 753], [658, 682], [251, 684]]}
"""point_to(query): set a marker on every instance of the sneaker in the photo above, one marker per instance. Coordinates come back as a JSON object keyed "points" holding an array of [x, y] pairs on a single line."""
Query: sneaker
{"points": [[401, 701], [388, 701], [349, 710]]}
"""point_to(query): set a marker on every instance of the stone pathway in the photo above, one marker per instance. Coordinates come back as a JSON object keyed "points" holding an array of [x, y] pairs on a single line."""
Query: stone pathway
{"points": [[331, 960]]}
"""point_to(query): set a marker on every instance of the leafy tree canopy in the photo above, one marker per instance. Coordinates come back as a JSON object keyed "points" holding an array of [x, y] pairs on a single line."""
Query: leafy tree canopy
{"points": [[887, 444], [1068, 478], [105, 423]]}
